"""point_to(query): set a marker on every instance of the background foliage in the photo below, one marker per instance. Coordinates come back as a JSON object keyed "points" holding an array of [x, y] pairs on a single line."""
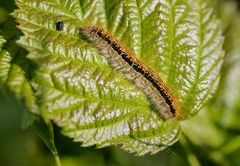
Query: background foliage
{"points": [[212, 137]]}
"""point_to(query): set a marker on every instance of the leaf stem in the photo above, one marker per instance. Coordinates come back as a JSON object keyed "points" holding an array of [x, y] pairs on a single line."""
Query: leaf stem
{"points": [[57, 160]]}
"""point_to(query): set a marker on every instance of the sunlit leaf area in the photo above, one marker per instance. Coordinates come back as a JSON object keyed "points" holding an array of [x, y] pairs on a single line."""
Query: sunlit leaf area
{"points": [[69, 99]]}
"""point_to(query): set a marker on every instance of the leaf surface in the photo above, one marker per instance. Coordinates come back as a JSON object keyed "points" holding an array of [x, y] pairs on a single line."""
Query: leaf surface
{"points": [[15, 69], [94, 103]]}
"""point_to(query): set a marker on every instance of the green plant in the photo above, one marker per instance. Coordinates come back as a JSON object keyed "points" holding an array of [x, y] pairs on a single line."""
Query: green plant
{"points": [[63, 80]]}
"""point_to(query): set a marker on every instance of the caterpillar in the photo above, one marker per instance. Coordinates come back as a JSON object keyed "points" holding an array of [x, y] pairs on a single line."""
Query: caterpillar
{"points": [[134, 70]]}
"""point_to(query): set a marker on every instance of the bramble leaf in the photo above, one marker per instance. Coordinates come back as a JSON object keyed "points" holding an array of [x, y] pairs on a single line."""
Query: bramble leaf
{"points": [[94, 103], [15, 68], [226, 105]]}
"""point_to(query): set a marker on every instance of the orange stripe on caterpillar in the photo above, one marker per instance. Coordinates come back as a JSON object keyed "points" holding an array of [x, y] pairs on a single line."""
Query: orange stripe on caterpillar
{"points": [[134, 70]]}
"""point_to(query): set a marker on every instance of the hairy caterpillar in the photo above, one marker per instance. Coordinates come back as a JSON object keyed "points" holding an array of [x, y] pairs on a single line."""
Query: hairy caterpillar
{"points": [[134, 70]]}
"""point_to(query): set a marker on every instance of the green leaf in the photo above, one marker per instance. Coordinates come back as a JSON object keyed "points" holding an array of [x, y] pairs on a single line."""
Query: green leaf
{"points": [[226, 11], [94, 103], [217, 126], [202, 131], [15, 69], [15, 76], [2, 41], [226, 103], [46, 133]]}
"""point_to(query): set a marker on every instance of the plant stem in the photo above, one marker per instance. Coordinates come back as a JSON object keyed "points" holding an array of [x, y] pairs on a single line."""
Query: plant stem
{"points": [[57, 160]]}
